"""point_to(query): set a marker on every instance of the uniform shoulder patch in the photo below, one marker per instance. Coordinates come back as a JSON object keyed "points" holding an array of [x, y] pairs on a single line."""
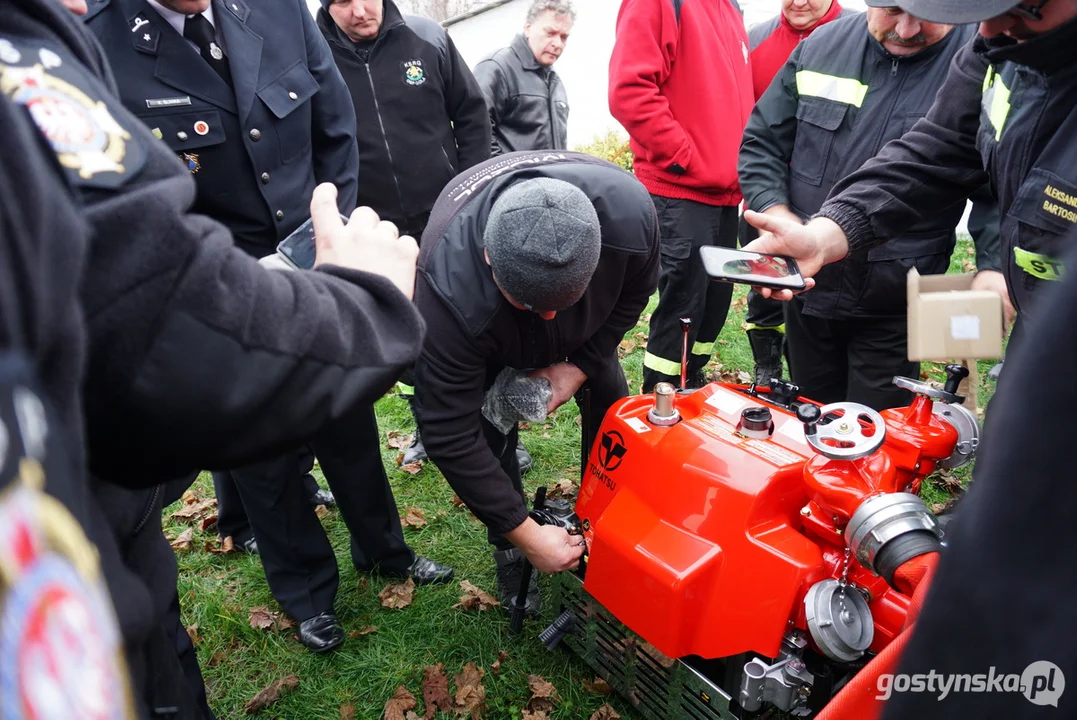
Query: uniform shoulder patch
{"points": [[93, 7], [73, 111]]}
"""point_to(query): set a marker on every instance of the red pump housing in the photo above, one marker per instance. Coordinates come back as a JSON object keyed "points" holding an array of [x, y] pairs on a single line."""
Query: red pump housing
{"points": [[705, 542]]}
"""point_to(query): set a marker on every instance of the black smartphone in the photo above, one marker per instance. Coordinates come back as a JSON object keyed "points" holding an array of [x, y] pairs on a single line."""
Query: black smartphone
{"points": [[750, 268], [298, 249]]}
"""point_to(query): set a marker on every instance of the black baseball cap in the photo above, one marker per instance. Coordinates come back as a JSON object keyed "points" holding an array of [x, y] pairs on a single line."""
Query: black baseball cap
{"points": [[951, 12]]}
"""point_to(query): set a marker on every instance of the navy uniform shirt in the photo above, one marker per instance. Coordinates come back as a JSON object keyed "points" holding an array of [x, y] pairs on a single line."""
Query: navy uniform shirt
{"points": [[256, 149]]}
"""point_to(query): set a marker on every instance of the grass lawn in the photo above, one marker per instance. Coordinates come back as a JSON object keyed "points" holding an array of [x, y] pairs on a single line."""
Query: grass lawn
{"points": [[217, 591]]}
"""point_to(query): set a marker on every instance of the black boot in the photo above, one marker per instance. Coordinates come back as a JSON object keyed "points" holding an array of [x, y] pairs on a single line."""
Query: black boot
{"points": [[415, 452], [510, 571], [767, 346]]}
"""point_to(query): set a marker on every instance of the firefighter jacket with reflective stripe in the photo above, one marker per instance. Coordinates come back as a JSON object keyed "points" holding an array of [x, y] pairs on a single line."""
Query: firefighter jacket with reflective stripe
{"points": [[1006, 117], [840, 97]]}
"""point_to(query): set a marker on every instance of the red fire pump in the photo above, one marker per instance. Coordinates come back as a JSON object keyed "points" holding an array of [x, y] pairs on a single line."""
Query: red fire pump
{"points": [[746, 544]]}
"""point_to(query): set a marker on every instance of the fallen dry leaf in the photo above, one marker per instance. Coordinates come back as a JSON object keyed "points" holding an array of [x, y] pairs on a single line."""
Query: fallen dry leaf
{"points": [[398, 440], [501, 657], [262, 618], [192, 632], [208, 522], [543, 695], [189, 497], [321, 511], [736, 377], [397, 595], [562, 489], [950, 484], [193, 511], [435, 691], [363, 631], [968, 265], [183, 540], [626, 347], [605, 713], [533, 715], [412, 468], [271, 694], [470, 694], [598, 687], [347, 712], [217, 658], [523, 425], [398, 704], [414, 518], [221, 547], [457, 501], [475, 598]]}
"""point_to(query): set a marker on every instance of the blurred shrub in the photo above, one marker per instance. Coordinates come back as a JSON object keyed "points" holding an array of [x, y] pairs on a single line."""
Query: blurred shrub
{"points": [[613, 147]]}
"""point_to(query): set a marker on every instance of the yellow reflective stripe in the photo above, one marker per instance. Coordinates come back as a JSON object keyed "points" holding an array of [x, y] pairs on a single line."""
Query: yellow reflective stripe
{"points": [[831, 87], [1039, 266], [703, 348], [996, 101], [753, 326], [405, 389], [666, 367]]}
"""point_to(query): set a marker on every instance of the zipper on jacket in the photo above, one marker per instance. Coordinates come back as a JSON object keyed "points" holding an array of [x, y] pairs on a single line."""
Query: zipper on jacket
{"points": [[147, 513], [893, 68], [385, 138]]}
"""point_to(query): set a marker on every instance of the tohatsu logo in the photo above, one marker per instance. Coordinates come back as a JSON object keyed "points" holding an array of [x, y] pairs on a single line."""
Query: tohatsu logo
{"points": [[610, 454]]}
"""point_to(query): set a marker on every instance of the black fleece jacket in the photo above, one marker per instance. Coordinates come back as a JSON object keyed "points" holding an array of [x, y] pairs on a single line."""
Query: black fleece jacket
{"points": [[421, 116], [474, 332]]}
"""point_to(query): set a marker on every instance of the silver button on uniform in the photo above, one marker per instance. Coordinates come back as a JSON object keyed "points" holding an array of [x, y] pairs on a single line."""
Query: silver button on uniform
{"points": [[280, 214], [256, 134], [265, 178], [293, 96], [181, 135]]}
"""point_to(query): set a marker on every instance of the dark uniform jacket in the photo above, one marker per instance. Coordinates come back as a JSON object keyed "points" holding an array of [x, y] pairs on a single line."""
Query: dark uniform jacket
{"points": [[258, 150], [1007, 116], [421, 115], [48, 513], [527, 100], [475, 332], [196, 356], [840, 97]]}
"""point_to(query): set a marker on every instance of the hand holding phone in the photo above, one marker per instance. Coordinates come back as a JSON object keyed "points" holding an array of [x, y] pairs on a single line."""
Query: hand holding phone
{"points": [[752, 268], [362, 242]]}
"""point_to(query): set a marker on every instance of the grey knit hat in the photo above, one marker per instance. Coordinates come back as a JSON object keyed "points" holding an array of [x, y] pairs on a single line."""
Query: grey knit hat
{"points": [[543, 239]]}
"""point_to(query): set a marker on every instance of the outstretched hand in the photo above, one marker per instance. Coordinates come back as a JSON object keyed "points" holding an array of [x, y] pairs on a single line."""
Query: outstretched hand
{"points": [[813, 245], [365, 243]]}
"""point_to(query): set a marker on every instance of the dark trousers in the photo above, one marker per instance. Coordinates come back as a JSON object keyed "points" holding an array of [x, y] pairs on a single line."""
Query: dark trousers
{"points": [[852, 360], [232, 517], [685, 291], [299, 563], [605, 390], [188, 660]]}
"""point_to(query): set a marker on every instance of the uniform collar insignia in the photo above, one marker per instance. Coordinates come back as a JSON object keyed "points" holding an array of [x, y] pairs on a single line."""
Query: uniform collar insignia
{"points": [[238, 8], [144, 34]]}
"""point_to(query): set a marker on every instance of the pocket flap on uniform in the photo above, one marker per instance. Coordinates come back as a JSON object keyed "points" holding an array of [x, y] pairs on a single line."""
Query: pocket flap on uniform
{"points": [[188, 130], [821, 113], [1047, 202], [293, 88]]}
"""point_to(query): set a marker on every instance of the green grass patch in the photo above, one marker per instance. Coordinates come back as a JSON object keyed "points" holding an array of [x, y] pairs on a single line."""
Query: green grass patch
{"points": [[217, 591]]}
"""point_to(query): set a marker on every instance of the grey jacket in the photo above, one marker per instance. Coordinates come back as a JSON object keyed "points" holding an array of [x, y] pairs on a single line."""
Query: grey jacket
{"points": [[528, 104]]}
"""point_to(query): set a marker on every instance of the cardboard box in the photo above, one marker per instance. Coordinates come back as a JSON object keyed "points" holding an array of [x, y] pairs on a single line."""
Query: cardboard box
{"points": [[948, 321]]}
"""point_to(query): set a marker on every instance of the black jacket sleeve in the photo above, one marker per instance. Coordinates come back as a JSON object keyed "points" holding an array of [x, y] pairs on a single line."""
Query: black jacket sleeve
{"points": [[768, 141], [931, 167], [491, 79], [450, 380], [640, 283], [467, 108], [336, 155], [201, 358]]}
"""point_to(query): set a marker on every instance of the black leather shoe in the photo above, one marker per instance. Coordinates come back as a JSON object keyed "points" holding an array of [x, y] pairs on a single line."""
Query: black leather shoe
{"points": [[510, 571], [321, 633], [425, 571], [524, 459], [415, 452], [323, 497]]}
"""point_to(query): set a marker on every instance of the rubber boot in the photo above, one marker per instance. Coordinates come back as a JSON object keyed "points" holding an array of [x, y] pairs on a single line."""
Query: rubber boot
{"points": [[767, 346]]}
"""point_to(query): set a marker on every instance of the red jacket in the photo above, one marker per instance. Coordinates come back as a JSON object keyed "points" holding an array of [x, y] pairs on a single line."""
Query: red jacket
{"points": [[773, 42], [682, 88]]}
